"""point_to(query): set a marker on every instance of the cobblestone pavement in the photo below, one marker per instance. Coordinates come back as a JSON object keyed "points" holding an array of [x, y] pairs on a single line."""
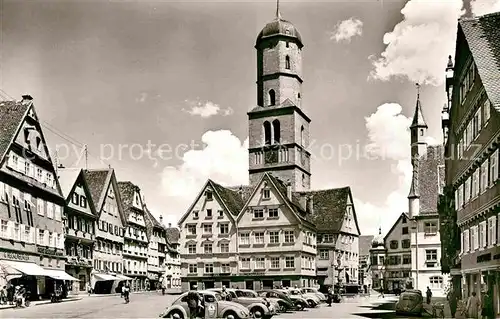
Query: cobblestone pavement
{"points": [[151, 304]]}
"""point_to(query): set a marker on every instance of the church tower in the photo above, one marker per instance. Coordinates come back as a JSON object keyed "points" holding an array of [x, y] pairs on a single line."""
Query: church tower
{"points": [[418, 135], [278, 127]]}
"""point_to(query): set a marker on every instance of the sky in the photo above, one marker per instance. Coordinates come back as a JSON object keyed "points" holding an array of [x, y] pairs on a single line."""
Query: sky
{"points": [[159, 90]]}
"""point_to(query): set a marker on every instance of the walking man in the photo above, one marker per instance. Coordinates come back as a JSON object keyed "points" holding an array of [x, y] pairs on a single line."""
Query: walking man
{"points": [[428, 295]]}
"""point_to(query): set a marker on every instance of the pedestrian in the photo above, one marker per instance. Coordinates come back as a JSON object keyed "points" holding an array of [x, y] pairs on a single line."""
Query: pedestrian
{"points": [[428, 294], [488, 310], [473, 306], [162, 288], [10, 293], [194, 302], [381, 293], [452, 301], [89, 288]]}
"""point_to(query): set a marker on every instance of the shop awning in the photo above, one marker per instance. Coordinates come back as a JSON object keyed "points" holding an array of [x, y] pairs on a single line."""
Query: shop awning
{"points": [[30, 269], [122, 277], [60, 274], [104, 277]]}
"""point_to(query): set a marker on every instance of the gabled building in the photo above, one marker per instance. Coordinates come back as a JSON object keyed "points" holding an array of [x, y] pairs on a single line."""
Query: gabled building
{"points": [[427, 183], [337, 236], [31, 202], [110, 230], [471, 124], [364, 273], [397, 244], [157, 236], [172, 277], [79, 221], [208, 238], [276, 240], [135, 252]]}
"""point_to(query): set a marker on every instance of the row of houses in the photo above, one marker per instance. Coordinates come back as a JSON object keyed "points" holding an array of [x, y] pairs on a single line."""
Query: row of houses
{"points": [[75, 225]]}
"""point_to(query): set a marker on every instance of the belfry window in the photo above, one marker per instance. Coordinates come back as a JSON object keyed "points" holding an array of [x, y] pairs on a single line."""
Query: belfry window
{"points": [[287, 62], [272, 97], [276, 131], [267, 133], [302, 135]]}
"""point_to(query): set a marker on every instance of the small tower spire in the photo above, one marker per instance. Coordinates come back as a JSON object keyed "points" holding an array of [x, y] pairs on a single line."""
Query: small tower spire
{"points": [[418, 116], [278, 13]]}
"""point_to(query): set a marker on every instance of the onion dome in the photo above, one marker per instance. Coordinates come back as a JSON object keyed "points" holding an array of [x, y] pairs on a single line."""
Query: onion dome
{"points": [[378, 241], [279, 27]]}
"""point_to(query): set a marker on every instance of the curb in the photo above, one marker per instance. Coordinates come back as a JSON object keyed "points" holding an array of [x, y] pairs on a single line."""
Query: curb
{"points": [[39, 303]]}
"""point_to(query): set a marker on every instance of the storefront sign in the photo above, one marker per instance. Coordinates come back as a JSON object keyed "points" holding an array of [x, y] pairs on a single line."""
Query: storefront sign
{"points": [[49, 251], [16, 256]]}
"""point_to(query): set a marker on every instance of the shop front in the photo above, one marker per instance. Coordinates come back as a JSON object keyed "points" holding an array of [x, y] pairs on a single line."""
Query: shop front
{"points": [[153, 279], [102, 283], [81, 269]]}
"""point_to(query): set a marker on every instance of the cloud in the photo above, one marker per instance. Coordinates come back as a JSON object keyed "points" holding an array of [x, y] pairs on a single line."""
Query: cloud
{"points": [[142, 98], [223, 159], [418, 46], [206, 109], [389, 138], [481, 7], [347, 29]]}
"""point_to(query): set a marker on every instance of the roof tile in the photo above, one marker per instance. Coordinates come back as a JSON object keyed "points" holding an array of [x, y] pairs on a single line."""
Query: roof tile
{"points": [[11, 116]]}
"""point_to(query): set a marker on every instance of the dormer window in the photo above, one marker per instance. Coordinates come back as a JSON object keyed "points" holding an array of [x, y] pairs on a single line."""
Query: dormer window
{"points": [[83, 202], [221, 213], [209, 213], [75, 199], [196, 214], [208, 195]]}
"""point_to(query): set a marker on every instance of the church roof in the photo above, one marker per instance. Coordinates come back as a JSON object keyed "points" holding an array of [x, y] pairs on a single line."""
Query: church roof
{"points": [[279, 27], [483, 38]]}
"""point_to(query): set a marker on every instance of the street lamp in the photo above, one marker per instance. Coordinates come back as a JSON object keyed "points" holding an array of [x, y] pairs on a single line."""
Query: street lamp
{"points": [[415, 227]]}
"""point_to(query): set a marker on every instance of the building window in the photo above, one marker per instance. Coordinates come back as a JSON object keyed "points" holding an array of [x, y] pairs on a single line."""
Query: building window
{"points": [[431, 255], [209, 268], [287, 62], [225, 268], [192, 249], [394, 244], [301, 134], [303, 180], [207, 248], [259, 238], [196, 214], [224, 247], [324, 254], [492, 230], [224, 228], [277, 131], [467, 190], [486, 111], [191, 229], [406, 259], [275, 262], [221, 213], [403, 221], [274, 237], [208, 195], [475, 183], [484, 176], [273, 212], [289, 236], [209, 213], [328, 238], [245, 239], [83, 202], [75, 199], [404, 231], [266, 193], [267, 133], [245, 263], [482, 234], [493, 168], [289, 262], [258, 213], [405, 243], [260, 263], [287, 44], [272, 97], [430, 228], [207, 228], [436, 282]]}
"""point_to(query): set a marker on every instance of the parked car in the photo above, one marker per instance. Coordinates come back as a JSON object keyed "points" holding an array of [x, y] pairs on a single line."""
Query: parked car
{"points": [[269, 301], [411, 302], [284, 302], [312, 299], [224, 309], [309, 290], [300, 301], [258, 307]]}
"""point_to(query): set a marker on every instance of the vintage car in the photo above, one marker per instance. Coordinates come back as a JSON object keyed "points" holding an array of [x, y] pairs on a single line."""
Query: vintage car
{"points": [[258, 307], [309, 290], [411, 302], [300, 301], [311, 298], [284, 302], [213, 302]]}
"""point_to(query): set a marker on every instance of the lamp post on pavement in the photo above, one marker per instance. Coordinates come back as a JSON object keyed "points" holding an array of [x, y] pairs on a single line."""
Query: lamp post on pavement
{"points": [[415, 228]]}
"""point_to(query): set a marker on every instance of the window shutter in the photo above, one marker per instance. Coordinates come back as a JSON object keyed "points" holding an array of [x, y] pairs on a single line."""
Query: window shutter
{"points": [[462, 245], [493, 234]]}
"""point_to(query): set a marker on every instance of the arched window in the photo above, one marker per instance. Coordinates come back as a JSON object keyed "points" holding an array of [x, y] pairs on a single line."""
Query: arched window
{"points": [[301, 135], [276, 131], [287, 62], [267, 133], [298, 95], [303, 180], [272, 97], [421, 132]]}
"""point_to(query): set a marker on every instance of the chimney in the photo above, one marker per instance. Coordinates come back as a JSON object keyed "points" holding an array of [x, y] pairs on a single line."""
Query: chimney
{"points": [[169, 225], [161, 219], [240, 191], [289, 189], [26, 99]]}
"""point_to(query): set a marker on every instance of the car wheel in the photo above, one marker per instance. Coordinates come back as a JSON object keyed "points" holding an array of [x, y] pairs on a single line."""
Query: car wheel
{"points": [[299, 306], [256, 312], [175, 315], [230, 315]]}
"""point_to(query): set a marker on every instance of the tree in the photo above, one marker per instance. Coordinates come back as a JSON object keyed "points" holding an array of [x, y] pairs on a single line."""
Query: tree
{"points": [[449, 232]]}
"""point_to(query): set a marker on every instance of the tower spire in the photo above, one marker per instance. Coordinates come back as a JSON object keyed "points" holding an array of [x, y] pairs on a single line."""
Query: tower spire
{"points": [[278, 13]]}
